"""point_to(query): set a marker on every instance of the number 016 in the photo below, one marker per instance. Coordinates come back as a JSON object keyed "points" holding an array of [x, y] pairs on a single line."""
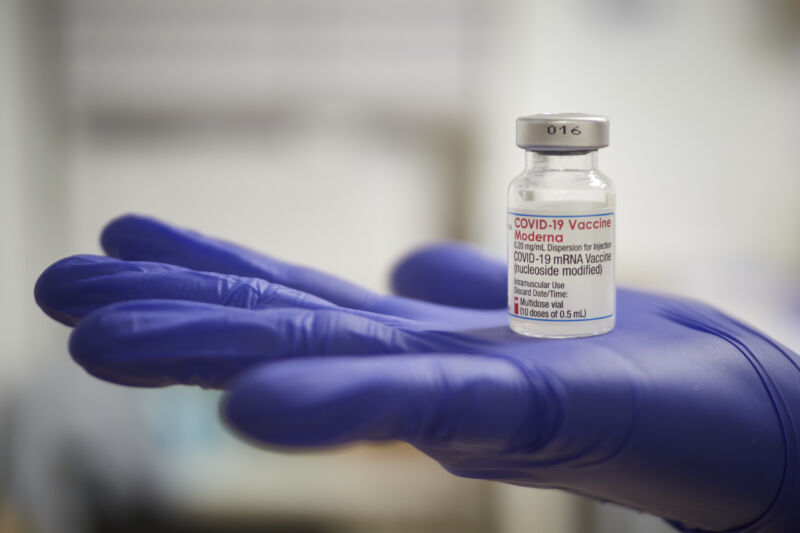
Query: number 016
{"points": [[552, 130]]}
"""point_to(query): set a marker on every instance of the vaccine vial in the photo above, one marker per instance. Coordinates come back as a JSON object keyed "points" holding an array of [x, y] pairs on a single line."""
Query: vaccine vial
{"points": [[561, 229]]}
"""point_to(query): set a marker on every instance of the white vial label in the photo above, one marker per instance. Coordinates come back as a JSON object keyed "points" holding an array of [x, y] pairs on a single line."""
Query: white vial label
{"points": [[561, 266]]}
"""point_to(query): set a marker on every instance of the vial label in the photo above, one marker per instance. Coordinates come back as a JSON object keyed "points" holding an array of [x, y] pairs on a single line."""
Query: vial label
{"points": [[561, 266]]}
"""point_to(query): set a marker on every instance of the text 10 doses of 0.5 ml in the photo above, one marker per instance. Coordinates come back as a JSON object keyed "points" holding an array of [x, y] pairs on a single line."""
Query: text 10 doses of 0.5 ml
{"points": [[561, 229]]}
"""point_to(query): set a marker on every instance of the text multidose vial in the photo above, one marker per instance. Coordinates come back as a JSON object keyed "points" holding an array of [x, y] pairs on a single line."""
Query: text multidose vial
{"points": [[561, 229]]}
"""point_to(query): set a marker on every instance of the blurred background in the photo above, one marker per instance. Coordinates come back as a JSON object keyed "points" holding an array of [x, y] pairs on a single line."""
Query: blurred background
{"points": [[284, 125]]}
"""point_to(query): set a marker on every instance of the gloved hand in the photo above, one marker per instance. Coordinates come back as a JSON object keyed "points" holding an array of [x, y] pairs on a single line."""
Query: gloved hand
{"points": [[680, 411]]}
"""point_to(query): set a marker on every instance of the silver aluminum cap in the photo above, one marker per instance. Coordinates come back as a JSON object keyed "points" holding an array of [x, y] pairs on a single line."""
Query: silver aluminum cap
{"points": [[562, 132]]}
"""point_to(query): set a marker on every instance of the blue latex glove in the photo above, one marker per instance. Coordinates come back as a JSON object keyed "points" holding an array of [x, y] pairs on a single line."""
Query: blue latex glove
{"points": [[681, 411]]}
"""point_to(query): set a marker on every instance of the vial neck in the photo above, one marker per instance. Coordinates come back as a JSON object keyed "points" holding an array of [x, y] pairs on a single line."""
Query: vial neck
{"points": [[561, 161]]}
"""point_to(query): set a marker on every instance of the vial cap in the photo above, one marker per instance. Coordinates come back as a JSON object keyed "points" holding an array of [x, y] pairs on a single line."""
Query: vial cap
{"points": [[562, 132]]}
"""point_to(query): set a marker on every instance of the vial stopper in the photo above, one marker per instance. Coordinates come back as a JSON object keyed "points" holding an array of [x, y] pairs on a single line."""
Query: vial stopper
{"points": [[562, 132]]}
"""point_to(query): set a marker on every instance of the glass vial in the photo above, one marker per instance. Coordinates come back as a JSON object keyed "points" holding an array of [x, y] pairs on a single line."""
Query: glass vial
{"points": [[561, 229]]}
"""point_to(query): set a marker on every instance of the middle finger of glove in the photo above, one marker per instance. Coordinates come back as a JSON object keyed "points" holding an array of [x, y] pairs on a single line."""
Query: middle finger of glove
{"points": [[154, 343], [75, 286]]}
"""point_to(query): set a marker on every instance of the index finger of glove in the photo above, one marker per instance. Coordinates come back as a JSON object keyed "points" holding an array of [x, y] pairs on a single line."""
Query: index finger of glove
{"points": [[139, 238]]}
